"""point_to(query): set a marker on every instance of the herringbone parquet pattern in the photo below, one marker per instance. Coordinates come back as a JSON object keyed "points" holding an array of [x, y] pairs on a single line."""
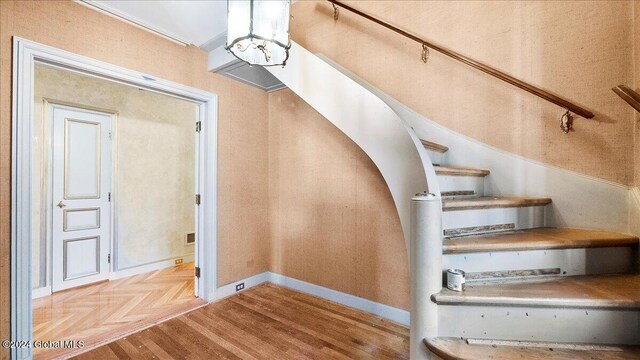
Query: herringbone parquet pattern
{"points": [[108, 309]]}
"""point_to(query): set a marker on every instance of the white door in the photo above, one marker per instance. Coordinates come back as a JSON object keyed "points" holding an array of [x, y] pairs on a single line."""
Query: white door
{"points": [[81, 186]]}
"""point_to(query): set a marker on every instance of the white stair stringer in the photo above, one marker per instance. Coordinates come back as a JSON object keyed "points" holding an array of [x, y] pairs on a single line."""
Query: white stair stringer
{"points": [[554, 324], [571, 262], [573, 194], [367, 120], [462, 183], [526, 217], [436, 157]]}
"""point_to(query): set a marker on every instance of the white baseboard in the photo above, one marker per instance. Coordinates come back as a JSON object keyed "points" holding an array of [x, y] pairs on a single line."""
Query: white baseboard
{"points": [[230, 289], [40, 292], [388, 312], [46, 290], [385, 311], [148, 267]]}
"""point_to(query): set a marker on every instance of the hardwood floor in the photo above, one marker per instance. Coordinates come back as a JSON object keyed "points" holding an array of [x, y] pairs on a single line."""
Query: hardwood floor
{"points": [[101, 312], [265, 322]]}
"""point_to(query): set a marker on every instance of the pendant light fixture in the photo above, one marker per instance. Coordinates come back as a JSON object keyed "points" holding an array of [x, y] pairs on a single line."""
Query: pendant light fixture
{"points": [[258, 31]]}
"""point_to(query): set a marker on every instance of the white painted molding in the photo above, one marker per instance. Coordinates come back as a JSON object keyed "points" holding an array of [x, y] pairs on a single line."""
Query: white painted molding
{"points": [[135, 270], [157, 265], [230, 289], [122, 16], [385, 311], [41, 292], [388, 312]]}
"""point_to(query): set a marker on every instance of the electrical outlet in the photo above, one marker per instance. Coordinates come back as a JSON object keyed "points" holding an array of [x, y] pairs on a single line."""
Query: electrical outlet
{"points": [[179, 261], [239, 286]]}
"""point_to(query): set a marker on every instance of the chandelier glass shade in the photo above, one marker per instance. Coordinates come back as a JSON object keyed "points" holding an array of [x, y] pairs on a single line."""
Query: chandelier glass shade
{"points": [[258, 31]]}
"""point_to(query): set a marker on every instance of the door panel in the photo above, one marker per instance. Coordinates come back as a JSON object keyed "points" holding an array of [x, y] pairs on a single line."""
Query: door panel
{"points": [[80, 219], [81, 257], [81, 182], [82, 159]]}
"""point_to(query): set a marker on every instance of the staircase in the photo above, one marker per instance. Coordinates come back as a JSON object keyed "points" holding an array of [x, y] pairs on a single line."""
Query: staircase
{"points": [[531, 291]]}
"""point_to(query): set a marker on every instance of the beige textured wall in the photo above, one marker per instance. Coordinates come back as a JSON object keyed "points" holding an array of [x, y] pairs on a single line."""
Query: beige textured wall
{"points": [[243, 248], [576, 49], [333, 221], [636, 86], [332, 218], [155, 165]]}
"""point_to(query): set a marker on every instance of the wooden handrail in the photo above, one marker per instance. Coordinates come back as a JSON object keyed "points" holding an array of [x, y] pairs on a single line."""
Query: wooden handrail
{"points": [[628, 95], [576, 109]]}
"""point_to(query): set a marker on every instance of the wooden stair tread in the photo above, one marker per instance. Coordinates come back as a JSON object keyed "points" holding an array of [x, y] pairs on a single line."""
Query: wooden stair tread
{"points": [[460, 171], [537, 239], [490, 202], [459, 349], [596, 292], [434, 147]]}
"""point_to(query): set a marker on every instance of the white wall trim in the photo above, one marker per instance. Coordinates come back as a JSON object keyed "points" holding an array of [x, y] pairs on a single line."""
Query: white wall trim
{"points": [[156, 265], [122, 16], [385, 311], [135, 270], [25, 54], [41, 292], [388, 312], [230, 289]]}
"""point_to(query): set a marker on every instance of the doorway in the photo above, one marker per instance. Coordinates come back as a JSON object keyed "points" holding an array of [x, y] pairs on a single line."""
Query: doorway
{"points": [[81, 184], [81, 195]]}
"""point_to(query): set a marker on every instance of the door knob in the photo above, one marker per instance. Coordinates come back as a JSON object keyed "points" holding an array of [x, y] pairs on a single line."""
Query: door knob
{"points": [[61, 205]]}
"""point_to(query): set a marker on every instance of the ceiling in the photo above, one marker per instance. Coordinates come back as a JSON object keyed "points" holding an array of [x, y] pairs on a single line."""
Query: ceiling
{"points": [[187, 21], [199, 22]]}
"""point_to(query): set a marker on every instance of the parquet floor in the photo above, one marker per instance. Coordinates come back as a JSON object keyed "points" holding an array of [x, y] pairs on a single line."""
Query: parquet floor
{"points": [[100, 312], [265, 322]]}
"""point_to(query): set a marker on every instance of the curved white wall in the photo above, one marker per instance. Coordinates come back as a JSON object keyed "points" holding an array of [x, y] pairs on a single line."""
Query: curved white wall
{"points": [[368, 121], [578, 200]]}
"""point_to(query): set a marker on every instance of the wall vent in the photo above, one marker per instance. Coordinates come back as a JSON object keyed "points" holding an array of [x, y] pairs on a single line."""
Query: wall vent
{"points": [[191, 239]]}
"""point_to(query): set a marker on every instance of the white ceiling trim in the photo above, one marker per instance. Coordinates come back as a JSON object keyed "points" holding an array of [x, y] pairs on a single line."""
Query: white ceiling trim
{"points": [[104, 8]]}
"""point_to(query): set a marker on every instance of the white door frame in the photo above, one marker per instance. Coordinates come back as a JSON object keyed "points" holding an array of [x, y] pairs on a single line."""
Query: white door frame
{"points": [[25, 54]]}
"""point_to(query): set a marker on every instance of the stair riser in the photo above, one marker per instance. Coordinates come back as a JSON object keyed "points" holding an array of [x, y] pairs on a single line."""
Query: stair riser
{"points": [[572, 261], [523, 217], [436, 157], [456, 183], [540, 324]]}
